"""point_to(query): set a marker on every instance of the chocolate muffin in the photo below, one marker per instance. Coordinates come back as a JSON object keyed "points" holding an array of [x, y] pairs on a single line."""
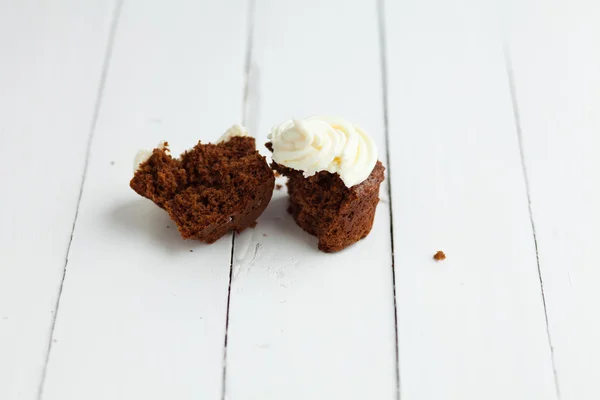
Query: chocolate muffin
{"points": [[333, 178], [211, 189], [323, 206]]}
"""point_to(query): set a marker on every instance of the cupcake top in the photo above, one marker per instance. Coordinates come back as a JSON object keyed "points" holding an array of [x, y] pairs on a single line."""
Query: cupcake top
{"points": [[144, 154], [325, 143], [235, 130]]}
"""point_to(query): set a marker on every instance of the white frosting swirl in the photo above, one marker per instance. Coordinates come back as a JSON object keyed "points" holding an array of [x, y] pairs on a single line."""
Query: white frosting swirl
{"points": [[324, 143]]}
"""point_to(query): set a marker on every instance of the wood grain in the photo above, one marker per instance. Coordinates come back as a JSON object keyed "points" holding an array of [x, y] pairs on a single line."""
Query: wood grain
{"points": [[50, 66], [304, 324], [556, 63], [491, 113], [473, 325], [142, 313]]}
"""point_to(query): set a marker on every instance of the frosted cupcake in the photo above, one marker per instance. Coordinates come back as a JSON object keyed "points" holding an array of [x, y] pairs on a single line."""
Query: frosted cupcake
{"points": [[333, 177]]}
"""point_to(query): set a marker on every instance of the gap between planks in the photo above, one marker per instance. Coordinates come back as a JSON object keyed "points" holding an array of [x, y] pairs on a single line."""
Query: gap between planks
{"points": [[99, 95], [384, 92], [245, 100], [517, 119]]}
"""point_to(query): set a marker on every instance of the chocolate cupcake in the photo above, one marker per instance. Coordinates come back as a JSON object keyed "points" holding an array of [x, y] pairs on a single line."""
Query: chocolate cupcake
{"points": [[211, 189], [333, 178]]}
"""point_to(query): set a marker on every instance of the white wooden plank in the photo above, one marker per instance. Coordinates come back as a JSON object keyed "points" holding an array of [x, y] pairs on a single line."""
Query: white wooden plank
{"points": [[472, 326], [556, 63], [141, 316], [50, 66], [304, 324]]}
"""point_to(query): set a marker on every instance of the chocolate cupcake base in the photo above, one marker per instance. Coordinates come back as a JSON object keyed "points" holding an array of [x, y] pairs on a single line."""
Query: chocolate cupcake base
{"points": [[211, 189], [323, 206]]}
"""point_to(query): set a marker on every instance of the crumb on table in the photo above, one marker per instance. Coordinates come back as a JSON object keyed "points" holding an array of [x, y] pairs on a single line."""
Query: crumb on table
{"points": [[278, 186], [439, 256]]}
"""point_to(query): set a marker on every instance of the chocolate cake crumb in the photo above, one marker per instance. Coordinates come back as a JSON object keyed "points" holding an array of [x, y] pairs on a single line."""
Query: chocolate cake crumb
{"points": [[211, 189], [278, 186], [439, 256], [325, 207]]}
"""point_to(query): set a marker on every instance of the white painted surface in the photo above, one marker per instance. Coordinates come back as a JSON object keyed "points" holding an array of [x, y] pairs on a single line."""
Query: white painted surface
{"points": [[556, 62], [140, 316], [311, 325], [50, 66], [471, 327]]}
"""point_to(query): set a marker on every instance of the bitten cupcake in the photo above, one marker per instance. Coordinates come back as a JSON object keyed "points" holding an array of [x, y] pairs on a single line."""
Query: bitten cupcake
{"points": [[333, 177], [211, 189]]}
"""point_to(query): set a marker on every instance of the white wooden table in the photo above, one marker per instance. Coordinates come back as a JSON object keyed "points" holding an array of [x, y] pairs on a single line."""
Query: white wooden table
{"points": [[486, 114]]}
